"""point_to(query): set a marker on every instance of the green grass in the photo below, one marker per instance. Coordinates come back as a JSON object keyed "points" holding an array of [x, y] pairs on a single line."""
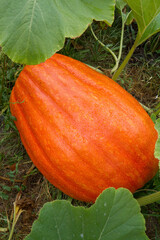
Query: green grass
{"points": [[17, 174]]}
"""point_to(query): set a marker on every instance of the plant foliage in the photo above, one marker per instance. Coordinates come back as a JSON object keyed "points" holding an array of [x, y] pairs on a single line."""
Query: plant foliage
{"points": [[32, 31], [114, 216], [147, 16]]}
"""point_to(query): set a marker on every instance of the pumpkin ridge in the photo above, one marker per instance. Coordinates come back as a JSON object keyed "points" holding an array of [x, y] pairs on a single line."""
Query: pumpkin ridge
{"points": [[66, 139], [112, 85], [84, 162], [113, 102], [87, 162], [118, 167], [67, 181], [27, 77], [75, 150], [143, 118], [87, 140]]}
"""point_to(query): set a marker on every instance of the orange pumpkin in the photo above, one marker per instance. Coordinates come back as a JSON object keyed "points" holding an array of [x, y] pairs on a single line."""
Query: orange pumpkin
{"points": [[82, 130]]}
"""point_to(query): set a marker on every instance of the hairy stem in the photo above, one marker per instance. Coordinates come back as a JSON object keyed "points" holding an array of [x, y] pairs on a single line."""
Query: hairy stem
{"points": [[103, 45], [149, 110], [157, 112], [120, 49], [154, 197], [117, 73]]}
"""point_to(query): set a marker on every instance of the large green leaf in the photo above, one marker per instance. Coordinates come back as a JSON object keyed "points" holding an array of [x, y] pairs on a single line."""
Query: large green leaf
{"points": [[147, 16], [115, 216], [31, 31]]}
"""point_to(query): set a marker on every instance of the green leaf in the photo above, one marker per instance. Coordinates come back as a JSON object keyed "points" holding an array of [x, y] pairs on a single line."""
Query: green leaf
{"points": [[157, 147], [120, 4], [114, 216], [4, 196], [147, 15], [7, 188], [32, 31], [130, 18]]}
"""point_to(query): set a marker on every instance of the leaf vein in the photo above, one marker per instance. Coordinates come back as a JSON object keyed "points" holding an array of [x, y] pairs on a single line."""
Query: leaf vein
{"points": [[100, 236], [30, 25]]}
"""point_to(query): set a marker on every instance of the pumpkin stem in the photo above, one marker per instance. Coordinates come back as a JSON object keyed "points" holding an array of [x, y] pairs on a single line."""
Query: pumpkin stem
{"points": [[154, 197]]}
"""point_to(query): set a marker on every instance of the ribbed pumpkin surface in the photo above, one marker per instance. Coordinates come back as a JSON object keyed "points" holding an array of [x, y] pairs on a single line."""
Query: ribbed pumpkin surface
{"points": [[82, 130]]}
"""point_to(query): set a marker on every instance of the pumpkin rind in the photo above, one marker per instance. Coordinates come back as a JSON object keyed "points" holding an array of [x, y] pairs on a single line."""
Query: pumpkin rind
{"points": [[81, 129]]}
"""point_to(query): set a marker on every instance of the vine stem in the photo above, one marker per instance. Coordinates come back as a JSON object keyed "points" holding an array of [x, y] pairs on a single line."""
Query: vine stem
{"points": [[117, 73], [149, 110], [121, 41], [154, 197], [158, 109], [103, 45], [120, 49]]}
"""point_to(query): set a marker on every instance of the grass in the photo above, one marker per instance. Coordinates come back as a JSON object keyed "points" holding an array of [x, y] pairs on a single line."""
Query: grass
{"points": [[19, 179]]}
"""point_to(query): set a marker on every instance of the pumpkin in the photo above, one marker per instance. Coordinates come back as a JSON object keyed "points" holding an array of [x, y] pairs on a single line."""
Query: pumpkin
{"points": [[81, 129]]}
